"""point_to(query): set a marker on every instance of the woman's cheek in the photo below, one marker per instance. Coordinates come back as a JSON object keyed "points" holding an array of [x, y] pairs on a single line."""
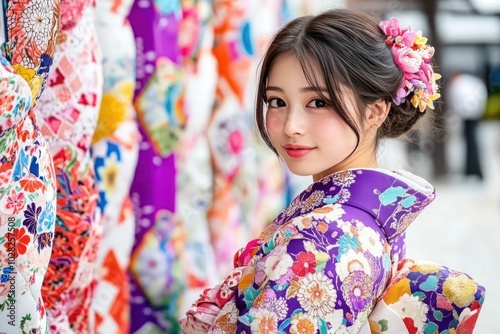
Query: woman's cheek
{"points": [[274, 123]]}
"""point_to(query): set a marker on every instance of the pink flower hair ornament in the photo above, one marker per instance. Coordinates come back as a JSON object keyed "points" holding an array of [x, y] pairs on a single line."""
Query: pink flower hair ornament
{"points": [[413, 57]]}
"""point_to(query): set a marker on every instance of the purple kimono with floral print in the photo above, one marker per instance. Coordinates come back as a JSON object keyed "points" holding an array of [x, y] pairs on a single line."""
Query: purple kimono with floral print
{"points": [[322, 263]]}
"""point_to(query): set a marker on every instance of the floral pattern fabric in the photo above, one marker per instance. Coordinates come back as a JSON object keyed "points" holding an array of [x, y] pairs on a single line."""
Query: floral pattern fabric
{"points": [[28, 202], [32, 27], [229, 134], [426, 297], [194, 169], [115, 147], [68, 112], [322, 263], [157, 279], [27, 180]]}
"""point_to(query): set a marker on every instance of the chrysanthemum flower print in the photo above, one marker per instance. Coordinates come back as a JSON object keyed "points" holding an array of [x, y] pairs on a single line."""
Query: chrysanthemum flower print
{"points": [[264, 322], [343, 179], [226, 321], [303, 324], [460, 290], [428, 267], [350, 262], [371, 241], [316, 294], [312, 201], [357, 291], [429, 297], [411, 307], [277, 265], [32, 24], [332, 211], [276, 305], [325, 274]]}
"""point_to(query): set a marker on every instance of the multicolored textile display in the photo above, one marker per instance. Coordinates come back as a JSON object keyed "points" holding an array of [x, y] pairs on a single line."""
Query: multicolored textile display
{"points": [[114, 151], [68, 112], [27, 180], [229, 133], [193, 160], [156, 273], [197, 150]]}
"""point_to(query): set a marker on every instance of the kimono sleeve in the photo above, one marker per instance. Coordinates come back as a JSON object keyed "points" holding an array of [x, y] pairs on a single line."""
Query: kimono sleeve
{"points": [[301, 286]]}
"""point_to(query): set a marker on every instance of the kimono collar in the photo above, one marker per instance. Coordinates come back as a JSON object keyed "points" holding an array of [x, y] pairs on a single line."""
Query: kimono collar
{"points": [[394, 199]]}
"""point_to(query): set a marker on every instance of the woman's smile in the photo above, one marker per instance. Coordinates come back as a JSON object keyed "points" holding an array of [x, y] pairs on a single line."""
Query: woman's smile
{"points": [[297, 151]]}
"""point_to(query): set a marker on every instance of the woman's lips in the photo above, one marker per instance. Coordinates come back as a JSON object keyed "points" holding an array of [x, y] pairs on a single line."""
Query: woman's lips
{"points": [[297, 152]]}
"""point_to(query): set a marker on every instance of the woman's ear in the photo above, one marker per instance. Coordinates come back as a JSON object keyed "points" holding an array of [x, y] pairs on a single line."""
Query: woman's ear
{"points": [[376, 113]]}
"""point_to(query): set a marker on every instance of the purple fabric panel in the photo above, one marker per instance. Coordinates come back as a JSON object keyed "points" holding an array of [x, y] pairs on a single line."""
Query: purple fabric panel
{"points": [[156, 35], [154, 185]]}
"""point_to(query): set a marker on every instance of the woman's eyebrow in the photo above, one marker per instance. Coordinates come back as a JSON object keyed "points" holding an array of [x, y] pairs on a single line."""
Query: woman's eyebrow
{"points": [[313, 89], [304, 89], [274, 88]]}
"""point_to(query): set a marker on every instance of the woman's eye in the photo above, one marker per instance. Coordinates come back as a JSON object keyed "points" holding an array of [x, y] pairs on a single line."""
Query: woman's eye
{"points": [[276, 103], [317, 104]]}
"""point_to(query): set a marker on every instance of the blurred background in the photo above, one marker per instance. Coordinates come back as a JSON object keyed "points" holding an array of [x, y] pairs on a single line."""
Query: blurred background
{"points": [[459, 150]]}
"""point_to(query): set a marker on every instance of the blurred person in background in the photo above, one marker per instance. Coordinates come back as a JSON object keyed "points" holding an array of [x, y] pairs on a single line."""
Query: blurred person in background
{"points": [[467, 96]]}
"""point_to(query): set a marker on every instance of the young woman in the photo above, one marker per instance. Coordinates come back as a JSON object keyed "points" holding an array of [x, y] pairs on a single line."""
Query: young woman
{"points": [[331, 86]]}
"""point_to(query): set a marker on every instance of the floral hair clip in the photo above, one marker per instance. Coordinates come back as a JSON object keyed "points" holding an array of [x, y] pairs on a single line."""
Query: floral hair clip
{"points": [[413, 56]]}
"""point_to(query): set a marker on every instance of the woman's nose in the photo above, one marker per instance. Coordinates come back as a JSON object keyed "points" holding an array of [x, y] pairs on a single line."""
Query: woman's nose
{"points": [[295, 122]]}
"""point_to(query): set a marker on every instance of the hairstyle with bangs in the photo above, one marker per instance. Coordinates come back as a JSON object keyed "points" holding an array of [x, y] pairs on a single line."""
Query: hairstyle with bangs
{"points": [[348, 50]]}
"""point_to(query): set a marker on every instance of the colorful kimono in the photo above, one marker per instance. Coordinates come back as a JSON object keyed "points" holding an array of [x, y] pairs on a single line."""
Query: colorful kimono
{"points": [[115, 147], [27, 180], [323, 266], [322, 263], [426, 297], [68, 113], [157, 279]]}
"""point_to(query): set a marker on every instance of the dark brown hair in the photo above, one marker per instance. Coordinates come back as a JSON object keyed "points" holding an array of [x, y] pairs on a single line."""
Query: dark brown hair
{"points": [[348, 49]]}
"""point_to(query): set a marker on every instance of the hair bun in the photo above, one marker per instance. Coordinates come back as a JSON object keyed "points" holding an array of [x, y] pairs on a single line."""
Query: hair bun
{"points": [[413, 56]]}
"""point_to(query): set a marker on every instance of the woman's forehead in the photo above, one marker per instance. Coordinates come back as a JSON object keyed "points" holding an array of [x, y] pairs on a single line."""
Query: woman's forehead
{"points": [[310, 68]]}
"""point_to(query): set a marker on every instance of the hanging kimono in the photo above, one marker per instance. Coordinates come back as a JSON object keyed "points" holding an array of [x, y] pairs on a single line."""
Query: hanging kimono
{"points": [[27, 180], [266, 17], [263, 197], [323, 261], [194, 170], [157, 279], [235, 191], [68, 113], [115, 147]]}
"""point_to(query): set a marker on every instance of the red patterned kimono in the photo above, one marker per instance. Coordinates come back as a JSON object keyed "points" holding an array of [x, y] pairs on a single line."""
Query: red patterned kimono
{"points": [[68, 113]]}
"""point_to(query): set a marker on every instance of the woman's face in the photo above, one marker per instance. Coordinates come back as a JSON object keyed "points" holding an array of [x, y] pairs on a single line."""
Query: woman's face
{"points": [[307, 133]]}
